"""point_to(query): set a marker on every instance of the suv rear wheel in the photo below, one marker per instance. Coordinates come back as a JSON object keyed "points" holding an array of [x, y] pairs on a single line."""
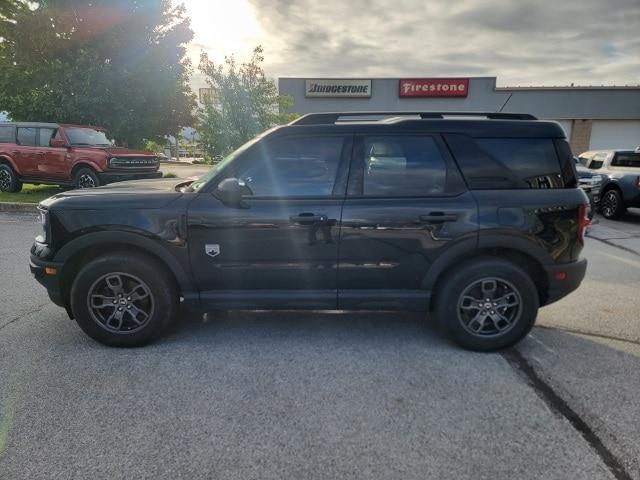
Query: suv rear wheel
{"points": [[9, 180], [86, 178], [123, 300], [487, 304], [612, 204]]}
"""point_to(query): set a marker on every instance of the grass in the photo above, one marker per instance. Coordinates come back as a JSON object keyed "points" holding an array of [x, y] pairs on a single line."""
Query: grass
{"points": [[30, 194]]}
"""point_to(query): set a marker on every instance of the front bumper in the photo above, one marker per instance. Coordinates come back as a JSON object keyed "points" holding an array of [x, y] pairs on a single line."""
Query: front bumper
{"points": [[121, 176], [52, 282], [559, 287]]}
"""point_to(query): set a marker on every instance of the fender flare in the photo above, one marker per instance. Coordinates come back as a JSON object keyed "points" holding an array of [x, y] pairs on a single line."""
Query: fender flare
{"points": [[11, 163], [149, 244], [473, 247]]}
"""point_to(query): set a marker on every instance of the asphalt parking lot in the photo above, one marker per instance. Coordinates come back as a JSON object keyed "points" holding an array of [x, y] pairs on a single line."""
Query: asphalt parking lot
{"points": [[325, 395]]}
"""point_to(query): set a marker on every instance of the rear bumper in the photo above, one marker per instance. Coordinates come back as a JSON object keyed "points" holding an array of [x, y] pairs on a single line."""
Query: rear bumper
{"points": [[561, 287], [120, 176]]}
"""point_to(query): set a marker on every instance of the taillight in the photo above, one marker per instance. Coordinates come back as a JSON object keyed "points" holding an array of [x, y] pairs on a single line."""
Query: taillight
{"points": [[583, 221], [638, 183]]}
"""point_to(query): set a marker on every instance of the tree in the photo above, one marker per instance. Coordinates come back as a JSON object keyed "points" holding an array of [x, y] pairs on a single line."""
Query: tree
{"points": [[243, 103], [115, 63]]}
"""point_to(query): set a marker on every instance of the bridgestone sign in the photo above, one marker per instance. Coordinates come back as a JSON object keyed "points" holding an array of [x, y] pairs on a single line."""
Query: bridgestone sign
{"points": [[337, 88]]}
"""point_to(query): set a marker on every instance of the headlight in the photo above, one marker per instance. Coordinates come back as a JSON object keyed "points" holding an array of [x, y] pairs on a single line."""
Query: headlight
{"points": [[45, 237]]}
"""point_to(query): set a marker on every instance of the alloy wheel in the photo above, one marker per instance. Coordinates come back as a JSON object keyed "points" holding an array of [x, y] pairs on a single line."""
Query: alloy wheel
{"points": [[489, 307], [5, 180], [120, 303], [86, 181], [609, 204]]}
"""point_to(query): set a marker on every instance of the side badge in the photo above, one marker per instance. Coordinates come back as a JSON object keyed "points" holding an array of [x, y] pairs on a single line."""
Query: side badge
{"points": [[212, 249]]}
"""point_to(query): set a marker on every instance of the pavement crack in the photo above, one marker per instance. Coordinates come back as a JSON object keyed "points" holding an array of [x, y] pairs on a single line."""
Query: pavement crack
{"points": [[590, 334], [29, 312], [611, 244], [561, 408]]}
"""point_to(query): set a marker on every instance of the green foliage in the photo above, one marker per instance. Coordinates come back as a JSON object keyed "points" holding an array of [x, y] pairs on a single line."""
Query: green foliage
{"points": [[169, 175], [244, 103], [153, 146], [115, 63]]}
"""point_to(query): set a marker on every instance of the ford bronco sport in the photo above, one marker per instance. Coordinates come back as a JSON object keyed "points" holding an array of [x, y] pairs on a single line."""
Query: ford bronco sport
{"points": [[478, 220], [73, 155]]}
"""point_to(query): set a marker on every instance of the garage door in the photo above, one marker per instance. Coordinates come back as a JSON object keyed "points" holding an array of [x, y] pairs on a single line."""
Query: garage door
{"points": [[615, 134], [566, 126]]}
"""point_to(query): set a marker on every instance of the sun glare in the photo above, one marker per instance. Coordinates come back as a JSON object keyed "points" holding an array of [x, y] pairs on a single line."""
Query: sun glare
{"points": [[223, 27]]}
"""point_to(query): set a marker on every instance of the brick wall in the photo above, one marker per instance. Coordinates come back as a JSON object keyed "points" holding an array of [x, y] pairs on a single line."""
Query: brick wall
{"points": [[580, 136]]}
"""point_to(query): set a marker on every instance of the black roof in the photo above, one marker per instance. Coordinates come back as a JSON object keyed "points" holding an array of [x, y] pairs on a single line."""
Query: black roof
{"points": [[474, 124]]}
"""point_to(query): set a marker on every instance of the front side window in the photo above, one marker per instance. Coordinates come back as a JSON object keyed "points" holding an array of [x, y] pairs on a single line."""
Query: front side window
{"points": [[293, 167], [598, 161], [27, 136], [87, 136], [46, 134], [403, 166]]}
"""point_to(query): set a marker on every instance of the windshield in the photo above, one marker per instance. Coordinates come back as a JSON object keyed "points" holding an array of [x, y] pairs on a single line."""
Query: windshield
{"points": [[87, 136], [203, 180]]}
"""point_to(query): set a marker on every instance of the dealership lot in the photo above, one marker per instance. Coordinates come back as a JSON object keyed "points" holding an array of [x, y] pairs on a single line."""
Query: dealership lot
{"points": [[325, 395]]}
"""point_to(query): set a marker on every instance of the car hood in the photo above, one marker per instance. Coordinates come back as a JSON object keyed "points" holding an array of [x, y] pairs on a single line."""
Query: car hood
{"points": [[116, 151], [134, 194]]}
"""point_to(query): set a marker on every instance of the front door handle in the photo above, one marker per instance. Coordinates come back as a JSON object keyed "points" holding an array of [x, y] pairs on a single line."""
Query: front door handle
{"points": [[308, 218], [439, 217]]}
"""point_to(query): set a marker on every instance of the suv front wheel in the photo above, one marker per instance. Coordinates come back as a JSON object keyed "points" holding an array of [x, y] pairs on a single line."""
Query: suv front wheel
{"points": [[487, 304], [123, 300], [612, 204], [8, 180], [86, 178]]}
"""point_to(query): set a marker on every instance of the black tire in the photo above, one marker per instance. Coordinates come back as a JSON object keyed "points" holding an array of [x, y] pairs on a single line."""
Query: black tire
{"points": [[460, 316], [9, 180], [86, 177], [612, 204], [144, 310]]}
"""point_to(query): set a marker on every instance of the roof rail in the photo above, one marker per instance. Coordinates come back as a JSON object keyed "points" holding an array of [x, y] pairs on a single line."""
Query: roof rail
{"points": [[333, 117]]}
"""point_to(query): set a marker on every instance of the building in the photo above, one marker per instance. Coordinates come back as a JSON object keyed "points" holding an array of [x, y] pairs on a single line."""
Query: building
{"points": [[592, 117]]}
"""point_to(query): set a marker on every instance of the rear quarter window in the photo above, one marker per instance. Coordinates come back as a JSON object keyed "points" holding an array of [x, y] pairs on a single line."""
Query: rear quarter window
{"points": [[510, 163], [7, 134]]}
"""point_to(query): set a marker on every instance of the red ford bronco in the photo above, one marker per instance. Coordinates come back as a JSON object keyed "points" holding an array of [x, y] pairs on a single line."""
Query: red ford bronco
{"points": [[61, 154]]}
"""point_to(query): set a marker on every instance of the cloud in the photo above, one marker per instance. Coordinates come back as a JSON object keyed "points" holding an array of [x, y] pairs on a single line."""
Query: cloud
{"points": [[546, 42]]}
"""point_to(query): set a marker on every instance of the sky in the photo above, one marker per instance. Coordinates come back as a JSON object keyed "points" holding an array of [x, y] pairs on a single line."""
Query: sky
{"points": [[541, 42]]}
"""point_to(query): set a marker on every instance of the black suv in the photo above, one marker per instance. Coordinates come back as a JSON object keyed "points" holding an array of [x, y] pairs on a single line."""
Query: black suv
{"points": [[477, 219]]}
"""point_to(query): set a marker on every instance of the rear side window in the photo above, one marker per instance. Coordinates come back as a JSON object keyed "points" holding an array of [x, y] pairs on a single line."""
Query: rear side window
{"points": [[626, 159], [27, 136], [508, 163], [403, 166], [7, 134]]}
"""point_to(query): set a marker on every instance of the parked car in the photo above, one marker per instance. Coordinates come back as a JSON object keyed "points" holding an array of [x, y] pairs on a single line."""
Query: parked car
{"points": [[61, 154], [478, 220], [590, 182], [620, 170]]}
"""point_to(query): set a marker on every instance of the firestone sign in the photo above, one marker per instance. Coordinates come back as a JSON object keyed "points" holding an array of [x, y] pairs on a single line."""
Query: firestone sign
{"points": [[347, 88], [434, 87]]}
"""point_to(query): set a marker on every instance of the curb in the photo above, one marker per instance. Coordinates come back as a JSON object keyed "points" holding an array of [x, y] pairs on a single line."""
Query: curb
{"points": [[18, 207]]}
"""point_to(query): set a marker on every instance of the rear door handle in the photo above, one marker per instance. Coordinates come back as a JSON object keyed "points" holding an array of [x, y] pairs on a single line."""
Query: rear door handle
{"points": [[308, 218], [439, 217]]}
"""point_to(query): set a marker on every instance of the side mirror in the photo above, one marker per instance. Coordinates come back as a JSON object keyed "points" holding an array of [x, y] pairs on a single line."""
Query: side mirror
{"points": [[230, 192], [57, 143]]}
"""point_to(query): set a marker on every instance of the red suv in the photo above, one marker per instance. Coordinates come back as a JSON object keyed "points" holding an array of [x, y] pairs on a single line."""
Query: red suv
{"points": [[61, 154]]}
